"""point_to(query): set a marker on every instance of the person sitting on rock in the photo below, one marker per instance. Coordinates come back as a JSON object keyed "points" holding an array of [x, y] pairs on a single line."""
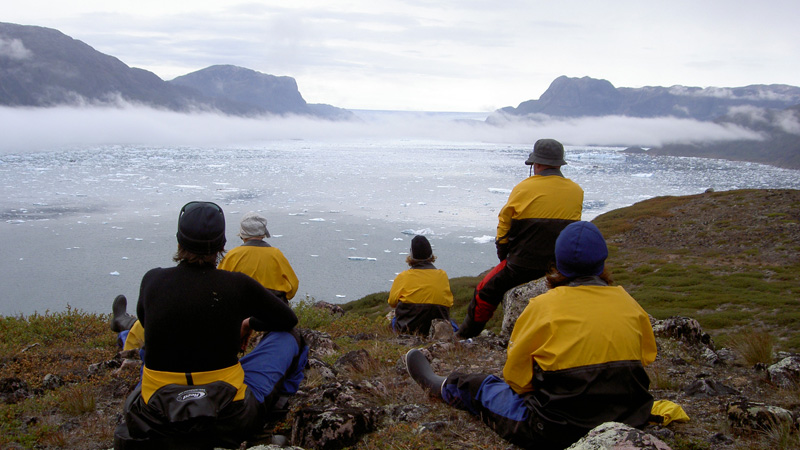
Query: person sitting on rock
{"points": [[255, 257], [575, 359], [421, 293], [194, 386]]}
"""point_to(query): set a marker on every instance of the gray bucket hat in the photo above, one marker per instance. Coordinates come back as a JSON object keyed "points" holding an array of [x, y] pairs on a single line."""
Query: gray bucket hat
{"points": [[253, 225], [549, 152]]}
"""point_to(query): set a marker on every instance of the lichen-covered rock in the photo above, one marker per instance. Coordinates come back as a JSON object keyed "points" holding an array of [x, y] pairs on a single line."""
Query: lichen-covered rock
{"points": [[441, 330], [618, 436], [747, 417], [333, 428], [515, 301], [357, 360], [405, 413], [334, 310], [709, 388], [786, 372], [51, 382], [319, 344], [322, 368], [683, 329]]}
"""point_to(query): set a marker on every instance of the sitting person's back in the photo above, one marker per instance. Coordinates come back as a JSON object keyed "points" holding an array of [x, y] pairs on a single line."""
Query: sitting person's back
{"points": [[421, 293], [194, 317]]}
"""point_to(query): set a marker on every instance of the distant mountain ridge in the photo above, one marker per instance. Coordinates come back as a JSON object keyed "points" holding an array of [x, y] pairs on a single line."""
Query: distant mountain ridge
{"points": [[581, 97], [42, 67], [773, 111]]}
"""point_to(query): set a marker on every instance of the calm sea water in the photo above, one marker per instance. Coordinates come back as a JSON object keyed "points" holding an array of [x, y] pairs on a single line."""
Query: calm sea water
{"points": [[81, 226]]}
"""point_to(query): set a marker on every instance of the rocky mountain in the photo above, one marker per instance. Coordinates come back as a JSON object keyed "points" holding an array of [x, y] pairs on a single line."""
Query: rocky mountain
{"points": [[581, 97], [42, 67], [255, 91]]}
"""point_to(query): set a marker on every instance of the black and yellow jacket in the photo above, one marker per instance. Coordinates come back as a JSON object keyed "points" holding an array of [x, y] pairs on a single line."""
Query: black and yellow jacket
{"points": [[419, 295], [265, 263], [577, 353], [192, 381], [538, 208]]}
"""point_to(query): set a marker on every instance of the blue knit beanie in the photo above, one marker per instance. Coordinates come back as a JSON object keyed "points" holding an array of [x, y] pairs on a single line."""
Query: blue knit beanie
{"points": [[580, 250]]}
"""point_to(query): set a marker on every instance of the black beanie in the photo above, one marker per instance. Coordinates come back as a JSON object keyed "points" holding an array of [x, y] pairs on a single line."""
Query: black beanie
{"points": [[201, 228], [421, 248]]}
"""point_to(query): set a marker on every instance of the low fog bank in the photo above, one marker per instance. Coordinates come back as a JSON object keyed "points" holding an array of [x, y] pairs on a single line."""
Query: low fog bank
{"points": [[42, 129]]}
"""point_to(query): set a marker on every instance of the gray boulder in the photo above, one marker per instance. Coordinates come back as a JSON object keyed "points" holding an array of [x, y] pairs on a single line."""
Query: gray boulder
{"points": [[333, 428], [745, 417], [515, 301], [785, 373], [618, 436]]}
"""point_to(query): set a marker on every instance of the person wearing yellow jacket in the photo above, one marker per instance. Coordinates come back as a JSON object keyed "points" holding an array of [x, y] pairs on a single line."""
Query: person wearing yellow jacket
{"points": [[576, 356], [256, 258], [422, 293], [538, 208]]}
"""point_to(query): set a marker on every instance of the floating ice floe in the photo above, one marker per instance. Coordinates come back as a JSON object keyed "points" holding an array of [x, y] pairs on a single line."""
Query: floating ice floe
{"points": [[499, 191], [485, 239], [314, 256], [410, 232], [642, 175], [15, 221], [317, 219], [124, 257], [397, 239], [340, 296], [361, 258], [114, 273]]}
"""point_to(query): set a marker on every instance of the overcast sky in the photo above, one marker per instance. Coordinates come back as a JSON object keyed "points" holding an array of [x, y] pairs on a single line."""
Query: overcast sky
{"points": [[442, 55]]}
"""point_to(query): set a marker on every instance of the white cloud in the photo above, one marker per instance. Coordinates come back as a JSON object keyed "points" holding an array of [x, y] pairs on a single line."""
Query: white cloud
{"points": [[33, 129], [14, 49], [788, 121]]}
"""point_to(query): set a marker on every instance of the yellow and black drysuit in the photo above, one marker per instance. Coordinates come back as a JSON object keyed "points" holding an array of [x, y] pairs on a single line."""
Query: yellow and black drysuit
{"points": [[419, 295], [194, 386], [266, 264], [537, 209], [576, 359]]}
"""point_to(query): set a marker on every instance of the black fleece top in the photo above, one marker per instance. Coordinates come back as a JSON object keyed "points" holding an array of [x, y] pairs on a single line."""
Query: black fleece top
{"points": [[192, 316]]}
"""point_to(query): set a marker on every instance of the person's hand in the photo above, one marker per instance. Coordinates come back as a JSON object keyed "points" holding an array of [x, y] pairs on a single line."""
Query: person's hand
{"points": [[244, 334], [470, 328], [502, 251]]}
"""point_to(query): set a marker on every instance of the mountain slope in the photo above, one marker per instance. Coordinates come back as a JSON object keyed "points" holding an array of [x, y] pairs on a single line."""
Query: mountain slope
{"points": [[255, 90], [42, 67]]}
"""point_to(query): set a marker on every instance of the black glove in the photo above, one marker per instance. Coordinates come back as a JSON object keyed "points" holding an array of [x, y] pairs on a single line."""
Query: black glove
{"points": [[502, 251], [470, 328]]}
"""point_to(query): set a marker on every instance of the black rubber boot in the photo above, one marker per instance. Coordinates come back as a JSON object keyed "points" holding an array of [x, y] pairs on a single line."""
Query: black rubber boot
{"points": [[120, 319], [420, 370]]}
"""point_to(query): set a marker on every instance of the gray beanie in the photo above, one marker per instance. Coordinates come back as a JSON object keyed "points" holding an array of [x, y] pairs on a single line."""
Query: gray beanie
{"points": [[253, 224]]}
